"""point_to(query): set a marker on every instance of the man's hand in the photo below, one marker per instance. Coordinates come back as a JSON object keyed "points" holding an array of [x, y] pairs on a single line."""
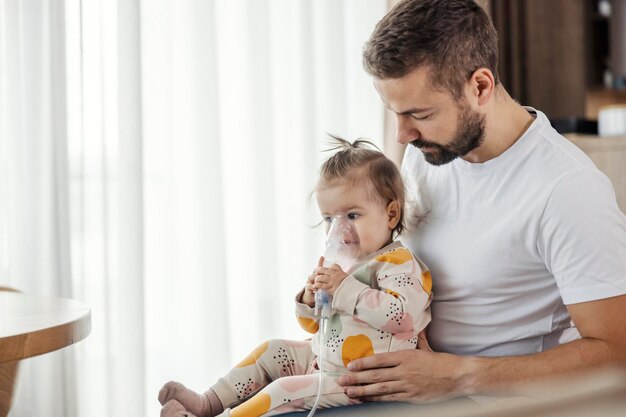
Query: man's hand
{"points": [[329, 278], [415, 375]]}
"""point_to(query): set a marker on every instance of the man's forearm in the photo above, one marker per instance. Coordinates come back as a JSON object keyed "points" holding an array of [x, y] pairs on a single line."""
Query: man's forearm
{"points": [[603, 343], [480, 374]]}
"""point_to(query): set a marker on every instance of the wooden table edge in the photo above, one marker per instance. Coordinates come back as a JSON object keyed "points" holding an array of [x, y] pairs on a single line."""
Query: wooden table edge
{"points": [[45, 340]]}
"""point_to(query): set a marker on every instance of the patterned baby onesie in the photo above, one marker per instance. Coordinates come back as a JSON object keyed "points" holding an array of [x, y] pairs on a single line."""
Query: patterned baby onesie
{"points": [[381, 306]]}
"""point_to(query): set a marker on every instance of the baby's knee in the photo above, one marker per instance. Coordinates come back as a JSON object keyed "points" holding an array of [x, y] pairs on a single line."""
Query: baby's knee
{"points": [[275, 343], [270, 345]]}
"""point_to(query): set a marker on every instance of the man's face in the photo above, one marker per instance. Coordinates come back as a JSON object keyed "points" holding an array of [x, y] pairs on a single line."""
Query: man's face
{"points": [[430, 119]]}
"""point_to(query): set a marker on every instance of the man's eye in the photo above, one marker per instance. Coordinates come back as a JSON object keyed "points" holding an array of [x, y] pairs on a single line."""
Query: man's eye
{"points": [[353, 216], [416, 117]]}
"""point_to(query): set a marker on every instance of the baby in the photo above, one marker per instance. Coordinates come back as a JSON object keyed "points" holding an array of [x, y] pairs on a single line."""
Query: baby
{"points": [[379, 304]]}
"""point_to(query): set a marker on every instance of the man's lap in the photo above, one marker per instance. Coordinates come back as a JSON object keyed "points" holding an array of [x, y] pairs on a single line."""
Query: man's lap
{"points": [[375, 409]]}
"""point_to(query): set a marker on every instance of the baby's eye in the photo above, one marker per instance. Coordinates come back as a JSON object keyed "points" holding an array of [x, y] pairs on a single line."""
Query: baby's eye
{"points": [[327, 219], [353, 216]]}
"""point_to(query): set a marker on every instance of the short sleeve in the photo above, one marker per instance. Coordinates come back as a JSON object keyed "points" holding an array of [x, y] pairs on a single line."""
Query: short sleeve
{"points": [[582, 238]]}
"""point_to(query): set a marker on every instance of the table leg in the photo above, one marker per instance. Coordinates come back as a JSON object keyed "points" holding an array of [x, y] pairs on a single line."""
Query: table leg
{"points": [[8, 375]]}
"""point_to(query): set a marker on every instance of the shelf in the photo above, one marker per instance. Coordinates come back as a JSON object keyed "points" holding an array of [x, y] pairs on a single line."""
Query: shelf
{"points": [[597, 143]]}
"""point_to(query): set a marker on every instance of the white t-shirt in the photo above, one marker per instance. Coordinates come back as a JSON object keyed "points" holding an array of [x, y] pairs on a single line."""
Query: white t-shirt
{"points": [[511, 241]]}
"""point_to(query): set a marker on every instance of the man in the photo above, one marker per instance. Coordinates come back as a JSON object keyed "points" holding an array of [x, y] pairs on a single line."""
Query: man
{"points": [[522, 233]]}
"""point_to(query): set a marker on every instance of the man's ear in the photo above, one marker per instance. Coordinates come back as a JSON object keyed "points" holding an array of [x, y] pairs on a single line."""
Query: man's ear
{"points": [[393, 214], [482, 85]]}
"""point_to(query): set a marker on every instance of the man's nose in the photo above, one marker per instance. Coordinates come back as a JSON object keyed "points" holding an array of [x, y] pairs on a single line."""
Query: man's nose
{"points": [[405, 131]]}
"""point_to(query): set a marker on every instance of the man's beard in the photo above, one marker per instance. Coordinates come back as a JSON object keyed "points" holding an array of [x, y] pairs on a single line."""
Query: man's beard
{"points": [[469, 136]]}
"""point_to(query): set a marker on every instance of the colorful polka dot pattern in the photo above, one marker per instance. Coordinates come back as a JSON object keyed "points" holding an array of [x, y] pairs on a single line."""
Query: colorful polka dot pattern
{"points": [[334, 340], [245, 388], [400, 322], [284, 361]]}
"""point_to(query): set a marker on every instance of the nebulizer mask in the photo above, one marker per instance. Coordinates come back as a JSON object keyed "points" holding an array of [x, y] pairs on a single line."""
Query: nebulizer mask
{"points": [[341, 249]]}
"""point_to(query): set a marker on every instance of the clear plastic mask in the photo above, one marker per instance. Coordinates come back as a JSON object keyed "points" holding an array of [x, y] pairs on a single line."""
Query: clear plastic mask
{"points": [[341, 242]]}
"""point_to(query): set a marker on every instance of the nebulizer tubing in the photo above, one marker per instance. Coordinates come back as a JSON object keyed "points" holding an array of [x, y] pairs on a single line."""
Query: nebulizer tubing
{"points": [[341, 242]]}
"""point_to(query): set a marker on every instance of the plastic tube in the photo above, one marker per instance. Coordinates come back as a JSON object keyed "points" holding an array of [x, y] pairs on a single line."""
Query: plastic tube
{"points": [[320, 361]]}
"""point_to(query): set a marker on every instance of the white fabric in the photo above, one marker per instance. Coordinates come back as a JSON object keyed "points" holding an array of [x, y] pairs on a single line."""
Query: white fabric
{"points": [[156, 158], [511, 241], [34, 217]]}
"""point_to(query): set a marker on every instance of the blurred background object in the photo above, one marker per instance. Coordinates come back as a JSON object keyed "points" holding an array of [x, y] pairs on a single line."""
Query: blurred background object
{"points": [[564, 57]]}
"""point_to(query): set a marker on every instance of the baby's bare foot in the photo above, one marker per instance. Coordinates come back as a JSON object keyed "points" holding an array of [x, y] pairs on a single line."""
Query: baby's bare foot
{"points": [[197, 404]]}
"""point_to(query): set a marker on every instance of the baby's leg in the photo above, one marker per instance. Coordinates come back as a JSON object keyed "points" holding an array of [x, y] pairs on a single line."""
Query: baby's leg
{"points": [[271, 360], [292, 393], [268, 362]]}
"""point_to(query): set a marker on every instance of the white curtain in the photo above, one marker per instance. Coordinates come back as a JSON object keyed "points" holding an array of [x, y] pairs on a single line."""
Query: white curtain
{"points": [[156, 162]]}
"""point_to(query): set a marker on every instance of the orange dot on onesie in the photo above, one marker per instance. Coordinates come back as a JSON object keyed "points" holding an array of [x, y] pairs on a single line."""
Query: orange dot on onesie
{"points": [[397, 256], [254, 407], [356, 347], [427, 282], [308, 324]]}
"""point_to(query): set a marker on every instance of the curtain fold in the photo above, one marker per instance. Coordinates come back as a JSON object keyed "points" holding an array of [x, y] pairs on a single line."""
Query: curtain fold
{"points": [[128, 337], [35, 196], [157, 158]]}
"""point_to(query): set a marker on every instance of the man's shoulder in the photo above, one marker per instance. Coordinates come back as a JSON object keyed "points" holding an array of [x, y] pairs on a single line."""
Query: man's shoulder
{"points": [[554, 151]]}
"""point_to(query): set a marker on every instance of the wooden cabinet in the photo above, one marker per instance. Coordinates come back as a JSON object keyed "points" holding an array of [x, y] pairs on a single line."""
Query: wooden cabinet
{"points": [[551, 52], [609, 155]]}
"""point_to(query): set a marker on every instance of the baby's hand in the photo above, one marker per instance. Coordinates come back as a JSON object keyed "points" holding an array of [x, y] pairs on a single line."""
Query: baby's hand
{"points": [[308, 297], [329, 278]]}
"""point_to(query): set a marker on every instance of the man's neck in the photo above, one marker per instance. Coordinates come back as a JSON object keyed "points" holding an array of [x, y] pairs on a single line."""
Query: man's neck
{"points": [[505, 122]]}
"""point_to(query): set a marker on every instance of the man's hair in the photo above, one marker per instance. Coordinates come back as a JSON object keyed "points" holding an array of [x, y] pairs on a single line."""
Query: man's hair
{"points": [[452, 38], [361, 162]]}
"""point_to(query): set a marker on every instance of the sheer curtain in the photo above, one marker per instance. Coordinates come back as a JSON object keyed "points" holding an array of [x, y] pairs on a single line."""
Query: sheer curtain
{"points": [[156, 162]]}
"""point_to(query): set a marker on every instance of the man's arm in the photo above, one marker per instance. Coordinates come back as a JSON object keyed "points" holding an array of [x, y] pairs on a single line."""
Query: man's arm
{"points": [[423, 375]]}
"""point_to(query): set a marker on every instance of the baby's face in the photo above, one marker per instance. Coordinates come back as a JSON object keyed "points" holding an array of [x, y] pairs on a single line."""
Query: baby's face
{"points": [[370, 220]]}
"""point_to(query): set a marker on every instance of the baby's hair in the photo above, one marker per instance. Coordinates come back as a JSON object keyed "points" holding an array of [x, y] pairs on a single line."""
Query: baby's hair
{"points": [[380, 175]]}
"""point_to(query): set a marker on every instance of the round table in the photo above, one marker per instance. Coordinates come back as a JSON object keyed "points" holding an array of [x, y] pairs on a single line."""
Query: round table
{"points": [[31, 325]]}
